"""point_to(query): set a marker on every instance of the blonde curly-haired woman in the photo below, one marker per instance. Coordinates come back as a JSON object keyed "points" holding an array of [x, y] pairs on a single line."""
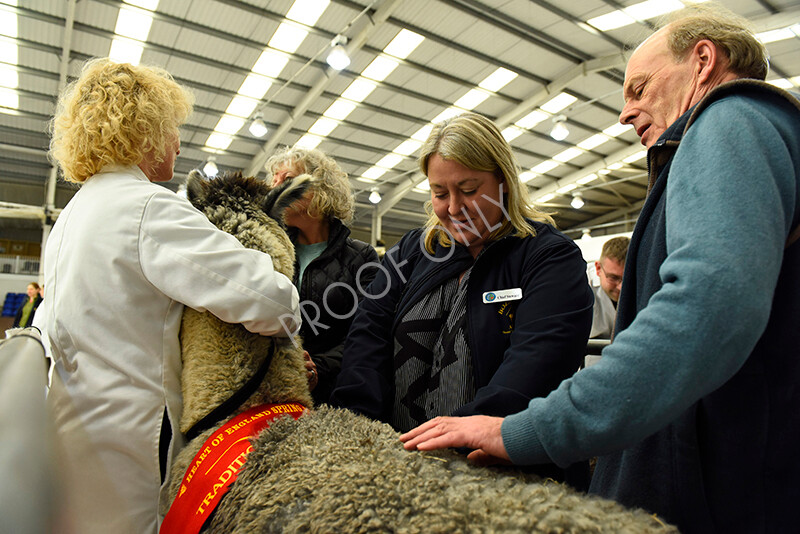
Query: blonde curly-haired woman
{"points": [[121, 262]]}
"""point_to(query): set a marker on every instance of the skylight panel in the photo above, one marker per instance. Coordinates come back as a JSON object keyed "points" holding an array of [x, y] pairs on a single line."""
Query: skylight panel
{"points": [[403, 44], [241, 106], [611, 21], [133, 23], [546, 198], [447, 114], [389, 160], [219, 141], [373, 173], [323, 126], [8, 52], [8, 23], [783, 83], [497, 80], [308, 141], [8, 98], [229, 124], [340, 109], [593, 141], [307, 11], [125, 51], [527, 176], [359, 90], [634, 157], [270, 63], [471, 100], [779, 34], [511, 133], [407, 147], [586, 179], [532, 119], [380, 68], [568, 154], [288, 37], [8, 77], [255, 86], [545, 166], [615, 166], [423, 133], [566, 189], [424, 186], [617, 129], [557, 103]]}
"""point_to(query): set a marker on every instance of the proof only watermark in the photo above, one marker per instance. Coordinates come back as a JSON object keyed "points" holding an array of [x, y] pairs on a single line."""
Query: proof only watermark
{"points": [[468, 232]]}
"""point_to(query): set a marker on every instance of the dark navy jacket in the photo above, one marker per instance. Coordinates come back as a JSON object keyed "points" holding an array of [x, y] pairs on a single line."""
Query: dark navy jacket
{"points": [[520, 349]]}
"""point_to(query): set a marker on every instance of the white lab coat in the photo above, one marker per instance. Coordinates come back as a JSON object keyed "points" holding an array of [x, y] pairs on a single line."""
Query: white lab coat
{"points": [[121, 262]]}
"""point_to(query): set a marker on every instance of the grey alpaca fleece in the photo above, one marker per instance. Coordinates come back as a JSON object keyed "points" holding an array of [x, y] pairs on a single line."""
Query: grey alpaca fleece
{"points": [[334, 471]]}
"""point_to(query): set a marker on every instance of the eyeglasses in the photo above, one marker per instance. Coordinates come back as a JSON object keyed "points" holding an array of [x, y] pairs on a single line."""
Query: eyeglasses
{"points": [[613, 278]]}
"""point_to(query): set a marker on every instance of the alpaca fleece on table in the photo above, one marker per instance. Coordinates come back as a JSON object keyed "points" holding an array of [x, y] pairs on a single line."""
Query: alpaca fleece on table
{"points": [[332, 470]]}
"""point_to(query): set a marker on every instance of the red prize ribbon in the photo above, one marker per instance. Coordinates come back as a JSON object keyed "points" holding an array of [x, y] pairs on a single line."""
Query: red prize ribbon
{"points": [[217, 466]]}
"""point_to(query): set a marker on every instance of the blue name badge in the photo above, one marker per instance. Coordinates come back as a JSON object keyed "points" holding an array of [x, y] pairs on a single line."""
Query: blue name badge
{"points": [[502, 295]]}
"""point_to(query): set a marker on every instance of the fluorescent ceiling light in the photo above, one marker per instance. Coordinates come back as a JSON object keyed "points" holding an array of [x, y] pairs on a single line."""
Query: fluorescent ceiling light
{"points": [[219, 141], [340, 109], [586, 179], [241, 106], [255, 86], [374, 173], [125, 51], [359, 90], [144, 4], [611, 21], [532, 119], [407, 147], [557, 103], [8, 99], [546, 198], [8, 77], [423, 133], [545, 166], [307, 11], [323, 126], [270, 63], [380, 68], [593, 141], [447, 114], [617, 129], [308, 141], [568, 154], [634, 157], [403, 44], [497, 80], [133, 23], [511, 133], [288, 37], [472, 99], [527, 176], [566, 189], [229, 124]]}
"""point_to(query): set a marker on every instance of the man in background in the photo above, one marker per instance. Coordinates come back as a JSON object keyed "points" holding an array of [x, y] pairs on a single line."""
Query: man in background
{"points": [[609, 267]]}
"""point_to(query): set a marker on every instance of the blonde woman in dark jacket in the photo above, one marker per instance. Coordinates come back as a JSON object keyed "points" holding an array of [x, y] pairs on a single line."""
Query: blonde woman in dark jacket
{"points": [[332, 269]]}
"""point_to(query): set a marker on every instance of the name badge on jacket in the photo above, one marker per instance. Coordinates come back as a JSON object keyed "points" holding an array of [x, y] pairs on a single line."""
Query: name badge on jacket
{"points": [[502, 295]]}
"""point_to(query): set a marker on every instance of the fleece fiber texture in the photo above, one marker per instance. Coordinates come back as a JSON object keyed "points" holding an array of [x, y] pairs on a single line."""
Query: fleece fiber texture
{"points": [[332, 470]]}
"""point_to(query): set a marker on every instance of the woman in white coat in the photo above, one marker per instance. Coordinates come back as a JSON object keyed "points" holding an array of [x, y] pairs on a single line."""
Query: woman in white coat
{"points": [[124, 258]]}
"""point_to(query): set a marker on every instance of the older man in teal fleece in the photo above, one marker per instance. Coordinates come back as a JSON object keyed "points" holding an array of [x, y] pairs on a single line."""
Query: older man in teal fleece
{"points": [[694, 410]]}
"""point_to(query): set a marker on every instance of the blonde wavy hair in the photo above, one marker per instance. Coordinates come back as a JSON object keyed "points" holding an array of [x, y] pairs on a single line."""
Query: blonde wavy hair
{"points": [[747, 55], [332, 197], [114, 114], [475, 142]]}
